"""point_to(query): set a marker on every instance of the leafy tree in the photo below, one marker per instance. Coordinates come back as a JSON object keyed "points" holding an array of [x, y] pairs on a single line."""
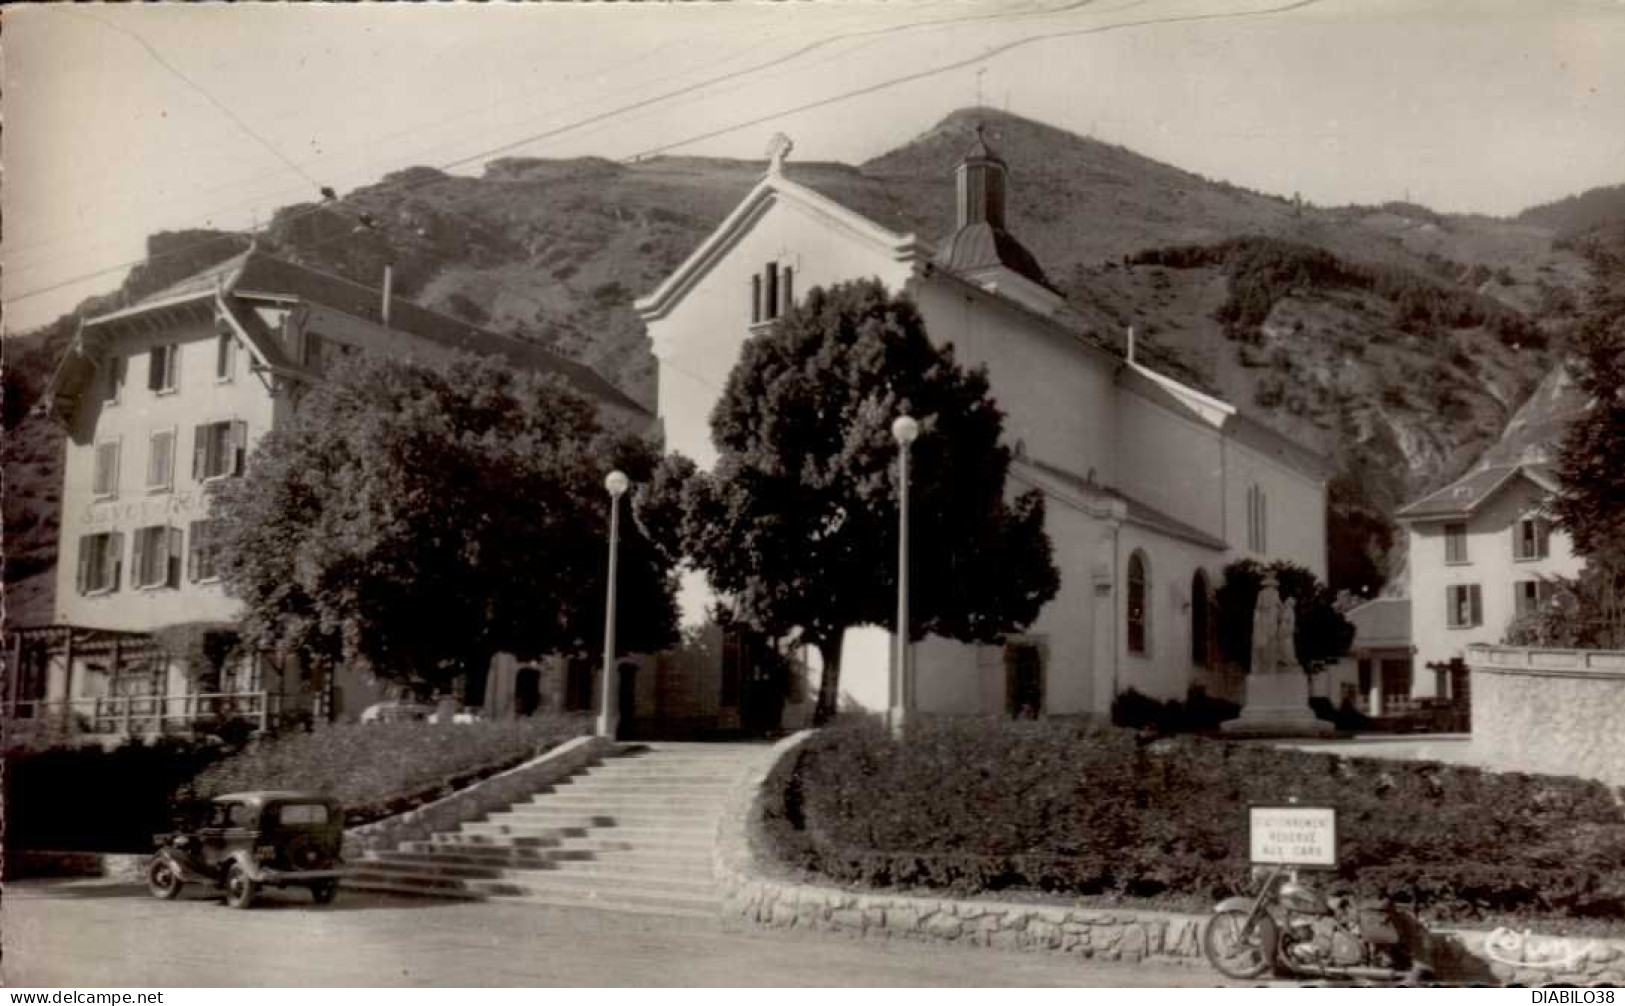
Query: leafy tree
{"points": [[797, 523], [414, 519], [1590, 611], [1323, 634]]}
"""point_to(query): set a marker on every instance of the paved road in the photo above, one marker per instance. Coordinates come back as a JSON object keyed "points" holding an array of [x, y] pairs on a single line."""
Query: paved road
{"points": [[65, 934]]}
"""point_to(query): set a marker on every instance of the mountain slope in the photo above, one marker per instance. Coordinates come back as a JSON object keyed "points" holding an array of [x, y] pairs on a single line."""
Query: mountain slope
{"points": [[1403, 380]]}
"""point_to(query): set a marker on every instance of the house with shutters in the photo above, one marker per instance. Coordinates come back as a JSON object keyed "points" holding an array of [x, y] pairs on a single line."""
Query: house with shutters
{"points": [[159, 399], [1151, 486]]}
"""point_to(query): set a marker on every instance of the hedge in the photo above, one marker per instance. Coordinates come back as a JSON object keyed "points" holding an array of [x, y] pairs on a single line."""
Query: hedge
{"points": [[975, 805], [90, 799], [379, 769]]}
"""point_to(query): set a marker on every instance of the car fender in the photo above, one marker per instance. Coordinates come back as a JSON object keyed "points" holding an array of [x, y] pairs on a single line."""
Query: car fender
{"points": [[1237, 904], [244, 860]]}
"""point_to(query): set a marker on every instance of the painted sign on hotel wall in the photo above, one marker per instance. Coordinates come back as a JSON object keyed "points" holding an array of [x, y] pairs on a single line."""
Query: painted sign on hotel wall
{"points": [[1293, 835]]}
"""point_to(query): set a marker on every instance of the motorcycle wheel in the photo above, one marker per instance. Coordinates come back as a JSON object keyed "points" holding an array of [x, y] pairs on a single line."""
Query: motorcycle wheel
{"points": [[163, 880], [240, 888], [1233, 956]]}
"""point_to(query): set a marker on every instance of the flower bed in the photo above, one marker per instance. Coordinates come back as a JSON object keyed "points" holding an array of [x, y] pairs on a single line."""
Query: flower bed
{"points": [[976, 806], [379, 769]]}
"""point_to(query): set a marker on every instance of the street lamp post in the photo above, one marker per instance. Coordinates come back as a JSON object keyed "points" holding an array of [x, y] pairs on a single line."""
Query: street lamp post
{"points": [[608, 716], [905, 429]]}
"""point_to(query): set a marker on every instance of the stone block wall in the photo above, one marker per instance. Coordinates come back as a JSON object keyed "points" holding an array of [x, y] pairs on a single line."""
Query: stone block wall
{"points": [[477, 800], [1558, 712]]}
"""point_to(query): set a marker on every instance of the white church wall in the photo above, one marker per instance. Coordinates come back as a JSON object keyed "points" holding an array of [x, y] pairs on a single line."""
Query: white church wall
{"points": [[1170, 462], [1295, 510]]}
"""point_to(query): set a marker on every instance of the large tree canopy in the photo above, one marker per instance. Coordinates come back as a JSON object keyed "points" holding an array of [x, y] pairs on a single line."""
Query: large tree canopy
{"points": [[414, 519], [797, 525]]}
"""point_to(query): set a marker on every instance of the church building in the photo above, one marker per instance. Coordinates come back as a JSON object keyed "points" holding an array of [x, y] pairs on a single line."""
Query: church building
{"points": [[1151, 486]]}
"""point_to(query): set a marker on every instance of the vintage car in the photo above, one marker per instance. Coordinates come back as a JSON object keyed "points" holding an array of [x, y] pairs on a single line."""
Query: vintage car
{"points": [[241, 842]]}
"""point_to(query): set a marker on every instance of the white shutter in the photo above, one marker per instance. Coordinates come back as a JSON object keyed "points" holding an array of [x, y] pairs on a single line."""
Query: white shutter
{"points": [[1478, 605], [115, 547], [138, 558], [82, 578], [239, 446], [200, 451], [172, 571]]}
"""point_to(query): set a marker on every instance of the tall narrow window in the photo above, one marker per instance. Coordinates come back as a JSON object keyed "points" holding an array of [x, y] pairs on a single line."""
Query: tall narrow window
{"points": [[1257, 520], [1455, 543], [1024, 679], [756, 299], [225, 356], [163, 368], [1530, 536], [100, 561], [1464, 606], [104, 481], [1138, 584], [787, 291], [770, 290], [161, 460]]}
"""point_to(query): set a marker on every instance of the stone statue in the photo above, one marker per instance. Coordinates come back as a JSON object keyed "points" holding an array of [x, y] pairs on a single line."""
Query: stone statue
{"points": [[1286, 637], [1266, 627]]}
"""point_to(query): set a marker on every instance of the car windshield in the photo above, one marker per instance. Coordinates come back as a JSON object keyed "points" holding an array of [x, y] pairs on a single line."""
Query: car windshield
{"points": [[302, 813]]}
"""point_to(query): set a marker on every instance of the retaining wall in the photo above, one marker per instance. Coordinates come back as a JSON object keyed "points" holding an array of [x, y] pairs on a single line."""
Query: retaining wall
{"points": [[1557, 712], [754, 889]]}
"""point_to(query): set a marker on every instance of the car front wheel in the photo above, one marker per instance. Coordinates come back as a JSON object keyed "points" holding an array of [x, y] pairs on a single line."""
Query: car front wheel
{"points": [[240, 887], [163, 880]]}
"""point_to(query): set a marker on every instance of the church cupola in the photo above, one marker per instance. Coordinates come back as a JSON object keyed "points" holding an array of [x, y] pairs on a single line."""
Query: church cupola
{"points": [[981, 175], [980, 248]]}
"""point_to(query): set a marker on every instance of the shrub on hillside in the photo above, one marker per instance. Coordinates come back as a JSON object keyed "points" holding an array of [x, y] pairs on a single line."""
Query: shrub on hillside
{"points": [[377, 769], [974, 805]]}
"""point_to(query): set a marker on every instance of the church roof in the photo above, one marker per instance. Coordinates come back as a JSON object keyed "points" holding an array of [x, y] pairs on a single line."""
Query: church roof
{"points": [[980, 246]]}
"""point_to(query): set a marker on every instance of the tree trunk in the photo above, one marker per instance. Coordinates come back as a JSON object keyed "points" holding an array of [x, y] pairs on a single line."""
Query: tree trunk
{"points": [[829, 684]]}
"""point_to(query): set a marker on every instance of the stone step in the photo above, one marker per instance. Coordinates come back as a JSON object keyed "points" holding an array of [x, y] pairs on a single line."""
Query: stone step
{"points": [[595, 802], [367, 873], [521, 882], [546, 817], [452, 865], [383, 885], [651, 786], [488, 853], [539, 837], [579, 888], [697, 871]]}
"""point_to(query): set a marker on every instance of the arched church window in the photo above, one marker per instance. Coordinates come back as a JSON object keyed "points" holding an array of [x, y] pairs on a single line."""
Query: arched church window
{"points": [[1138, 583]]}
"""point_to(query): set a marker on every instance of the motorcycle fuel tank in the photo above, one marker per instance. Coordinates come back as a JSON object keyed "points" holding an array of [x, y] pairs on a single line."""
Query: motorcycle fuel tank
{"points": [[1299, 898]]}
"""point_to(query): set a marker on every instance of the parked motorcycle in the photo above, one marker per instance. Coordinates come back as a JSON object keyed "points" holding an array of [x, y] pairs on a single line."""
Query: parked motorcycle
{"points": [[1290, 928]]}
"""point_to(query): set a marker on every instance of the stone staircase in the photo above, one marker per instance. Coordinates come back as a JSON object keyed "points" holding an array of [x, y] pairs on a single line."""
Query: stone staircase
{"points": [[631, 833]]}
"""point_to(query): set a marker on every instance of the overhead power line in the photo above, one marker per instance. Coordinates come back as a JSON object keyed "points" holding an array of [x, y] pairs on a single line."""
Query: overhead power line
{"points": [[734, 126]]}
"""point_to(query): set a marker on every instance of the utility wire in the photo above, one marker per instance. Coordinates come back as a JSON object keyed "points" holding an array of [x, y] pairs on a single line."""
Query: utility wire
{"points": [[733, 127]]}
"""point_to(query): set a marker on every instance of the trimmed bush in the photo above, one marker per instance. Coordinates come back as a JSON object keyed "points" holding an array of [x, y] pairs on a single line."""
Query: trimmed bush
{"points": [[974, 806], [379, 769], [1198, 712], [91, 799]]}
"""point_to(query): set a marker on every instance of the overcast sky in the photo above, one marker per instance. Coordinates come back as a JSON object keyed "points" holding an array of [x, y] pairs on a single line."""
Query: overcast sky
{"points": [[127, 119]]}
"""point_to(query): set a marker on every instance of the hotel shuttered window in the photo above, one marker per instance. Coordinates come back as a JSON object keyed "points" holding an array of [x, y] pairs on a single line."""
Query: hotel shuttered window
{"points": [[104, 480], [156, 561], [100, 562], [1530, 538], [164, 367], [161, 460], [219, 449], [1138, 593], [1464, 606], [202, 557], [1530, 594]]}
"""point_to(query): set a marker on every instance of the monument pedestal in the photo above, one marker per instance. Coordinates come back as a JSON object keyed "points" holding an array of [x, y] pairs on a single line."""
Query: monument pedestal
{"points": [[1278, 706]]}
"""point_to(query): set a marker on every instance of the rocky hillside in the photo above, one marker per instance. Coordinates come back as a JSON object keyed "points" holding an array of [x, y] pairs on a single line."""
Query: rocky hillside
{"points": [[1396, 339]]}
